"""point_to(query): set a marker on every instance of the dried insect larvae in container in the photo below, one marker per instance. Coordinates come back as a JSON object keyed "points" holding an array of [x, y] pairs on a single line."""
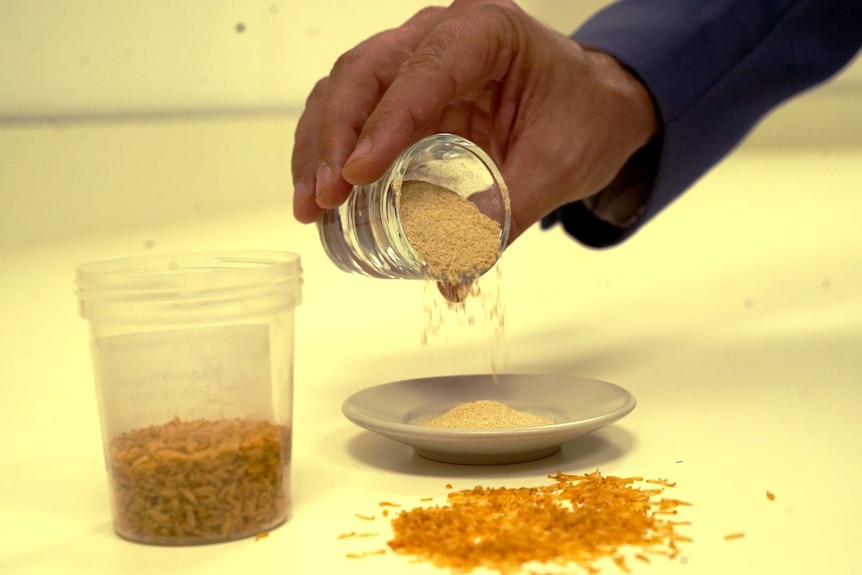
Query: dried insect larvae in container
{"points": [[201, 481]]}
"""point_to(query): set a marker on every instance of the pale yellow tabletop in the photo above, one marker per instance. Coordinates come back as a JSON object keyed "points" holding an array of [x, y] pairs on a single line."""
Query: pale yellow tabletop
{"points": [[735, 318]]}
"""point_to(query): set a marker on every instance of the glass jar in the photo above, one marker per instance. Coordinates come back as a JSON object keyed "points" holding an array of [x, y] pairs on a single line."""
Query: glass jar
{"points": [[365, 235], [193, 364]]}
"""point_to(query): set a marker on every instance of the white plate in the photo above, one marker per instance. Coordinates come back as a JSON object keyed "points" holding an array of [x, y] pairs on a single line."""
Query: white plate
{"points": [[576, 405]]}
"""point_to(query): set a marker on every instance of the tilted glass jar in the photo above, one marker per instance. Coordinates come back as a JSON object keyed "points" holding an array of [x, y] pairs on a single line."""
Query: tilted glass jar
{"points": [[365, 235]]}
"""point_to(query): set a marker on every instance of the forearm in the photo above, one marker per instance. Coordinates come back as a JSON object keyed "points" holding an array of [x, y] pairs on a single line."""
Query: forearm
{"points": [[714, 69]]}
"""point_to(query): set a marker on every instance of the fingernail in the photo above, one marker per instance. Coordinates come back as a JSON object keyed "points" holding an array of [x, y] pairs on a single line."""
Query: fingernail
{"points": [[361, 150], [324, 174]]}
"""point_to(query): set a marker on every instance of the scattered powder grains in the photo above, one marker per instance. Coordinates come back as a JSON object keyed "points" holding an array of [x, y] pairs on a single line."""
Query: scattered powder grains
{"points": [[449, 232], [486, 414], [576, 520], [482, 307], [366, 554], [198, 481], [355, 534]]}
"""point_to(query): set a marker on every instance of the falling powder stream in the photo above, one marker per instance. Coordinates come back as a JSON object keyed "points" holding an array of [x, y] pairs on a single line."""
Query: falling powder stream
{"points": [[456, 240]]}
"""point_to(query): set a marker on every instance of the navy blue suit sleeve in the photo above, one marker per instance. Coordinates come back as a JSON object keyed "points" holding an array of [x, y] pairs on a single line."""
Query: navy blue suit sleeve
{"points": [[714, 68]]}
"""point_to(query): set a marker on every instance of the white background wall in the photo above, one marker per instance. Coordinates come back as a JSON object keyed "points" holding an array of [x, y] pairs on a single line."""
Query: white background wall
{"points": [[86, 57], [119, 113]]}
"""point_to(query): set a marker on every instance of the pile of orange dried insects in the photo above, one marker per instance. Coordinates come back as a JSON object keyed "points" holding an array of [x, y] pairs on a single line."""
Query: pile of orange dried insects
{"points": [[574, 521]]}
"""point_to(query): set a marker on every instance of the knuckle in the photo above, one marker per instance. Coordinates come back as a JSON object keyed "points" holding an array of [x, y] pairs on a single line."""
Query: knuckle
{"points": [[318, 91], [427, 12], [431, 57], [348, 60]]}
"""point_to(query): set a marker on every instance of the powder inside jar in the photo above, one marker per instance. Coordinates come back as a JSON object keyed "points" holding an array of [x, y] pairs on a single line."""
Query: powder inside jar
{"points": [[457, 241], [486, 414]]}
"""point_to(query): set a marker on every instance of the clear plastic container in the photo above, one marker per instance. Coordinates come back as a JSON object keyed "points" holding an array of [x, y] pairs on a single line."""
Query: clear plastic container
{"points": [[365, 235], [193, 364]]}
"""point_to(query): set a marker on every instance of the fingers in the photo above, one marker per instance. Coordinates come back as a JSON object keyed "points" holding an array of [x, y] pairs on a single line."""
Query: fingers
{"points": [[462, 54], [440, 71], [337, 109], [357, 82], [303, 160]]}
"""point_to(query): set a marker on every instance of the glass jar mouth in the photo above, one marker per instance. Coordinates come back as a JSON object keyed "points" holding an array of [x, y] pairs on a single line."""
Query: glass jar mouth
{"points": [[458, 165]]}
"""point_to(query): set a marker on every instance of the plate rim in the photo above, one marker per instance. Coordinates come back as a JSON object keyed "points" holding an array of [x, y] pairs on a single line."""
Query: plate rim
{"points": [[409, 430]]}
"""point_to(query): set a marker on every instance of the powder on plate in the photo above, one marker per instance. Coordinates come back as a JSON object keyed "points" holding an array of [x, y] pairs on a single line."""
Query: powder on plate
{"points": [[456, 240], [486, 414]]}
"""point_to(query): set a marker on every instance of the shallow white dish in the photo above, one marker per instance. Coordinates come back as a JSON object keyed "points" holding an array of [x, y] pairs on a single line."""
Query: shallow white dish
{"points": [[576, 405]]}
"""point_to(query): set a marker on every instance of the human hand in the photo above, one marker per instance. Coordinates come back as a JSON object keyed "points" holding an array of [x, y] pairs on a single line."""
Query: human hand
{"points": [[559, 120]]}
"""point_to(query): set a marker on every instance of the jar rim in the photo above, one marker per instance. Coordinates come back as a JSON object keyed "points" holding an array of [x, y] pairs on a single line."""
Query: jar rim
{"points": [[190, 276]]}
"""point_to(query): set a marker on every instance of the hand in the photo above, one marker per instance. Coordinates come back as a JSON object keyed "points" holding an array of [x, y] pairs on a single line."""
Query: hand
{"points": [[559, 120]]}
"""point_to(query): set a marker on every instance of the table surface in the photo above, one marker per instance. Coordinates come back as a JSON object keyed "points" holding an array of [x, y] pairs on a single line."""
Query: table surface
{"points": [[735, 318]]}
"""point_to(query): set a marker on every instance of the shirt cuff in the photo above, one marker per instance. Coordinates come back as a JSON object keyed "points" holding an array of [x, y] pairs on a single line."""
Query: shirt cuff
{"points": [[612, 214]]}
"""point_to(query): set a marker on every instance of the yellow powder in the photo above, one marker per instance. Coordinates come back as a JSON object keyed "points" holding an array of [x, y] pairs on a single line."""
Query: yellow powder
{"points": [[486, 414], [456, 240]]}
